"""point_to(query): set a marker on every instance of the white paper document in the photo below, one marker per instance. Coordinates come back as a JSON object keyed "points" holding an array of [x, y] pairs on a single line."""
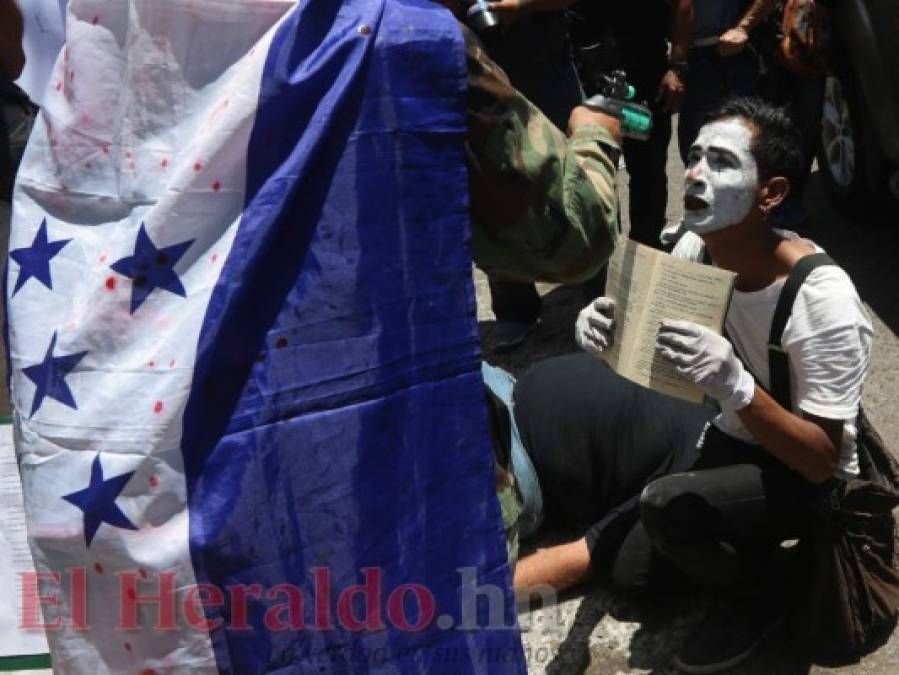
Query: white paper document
{"points": [[15, 557]]}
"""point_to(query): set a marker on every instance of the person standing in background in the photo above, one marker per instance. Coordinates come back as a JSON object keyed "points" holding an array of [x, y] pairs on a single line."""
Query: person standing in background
{"points": [[642, 32], [12, 61], [721, 61], [534, 49], [12, 57], [795, 79]]}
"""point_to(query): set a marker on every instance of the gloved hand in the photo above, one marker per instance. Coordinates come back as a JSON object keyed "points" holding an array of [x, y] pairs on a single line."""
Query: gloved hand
{"points": [[708, 360], [594, 329]]}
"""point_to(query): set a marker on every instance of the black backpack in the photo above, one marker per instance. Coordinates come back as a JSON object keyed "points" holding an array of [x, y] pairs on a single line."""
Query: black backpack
{"points": [[847, 585]]}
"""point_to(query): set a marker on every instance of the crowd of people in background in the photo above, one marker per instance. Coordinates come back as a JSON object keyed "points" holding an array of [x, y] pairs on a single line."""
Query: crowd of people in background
{"points": [[682, 57], [668, 494]]}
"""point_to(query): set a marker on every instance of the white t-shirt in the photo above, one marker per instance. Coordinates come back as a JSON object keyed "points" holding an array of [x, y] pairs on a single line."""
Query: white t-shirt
{"points": [[827, 340]]}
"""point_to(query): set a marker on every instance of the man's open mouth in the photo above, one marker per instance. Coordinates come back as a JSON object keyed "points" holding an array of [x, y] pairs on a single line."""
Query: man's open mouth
{"points": [[692, 203]]}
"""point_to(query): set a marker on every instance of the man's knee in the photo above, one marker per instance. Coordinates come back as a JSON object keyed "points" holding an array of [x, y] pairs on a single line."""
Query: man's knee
{"points": [[670, 507]]}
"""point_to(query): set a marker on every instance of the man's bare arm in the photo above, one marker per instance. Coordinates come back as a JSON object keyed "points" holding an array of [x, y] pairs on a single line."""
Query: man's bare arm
{"points": [[809, 445], [673, 85], [559, 566], [681, 29], [735, 40]]}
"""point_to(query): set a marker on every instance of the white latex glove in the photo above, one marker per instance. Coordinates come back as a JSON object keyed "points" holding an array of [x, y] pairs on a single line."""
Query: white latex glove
{"points": [[708, 360], [594, 329]]}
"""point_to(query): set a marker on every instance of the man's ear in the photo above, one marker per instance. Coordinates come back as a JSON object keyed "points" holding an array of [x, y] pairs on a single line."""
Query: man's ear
{"points": [[773, 192]]}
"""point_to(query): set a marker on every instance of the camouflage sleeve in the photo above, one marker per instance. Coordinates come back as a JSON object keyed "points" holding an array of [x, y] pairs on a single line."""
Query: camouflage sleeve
{"points": [[544, 206]]}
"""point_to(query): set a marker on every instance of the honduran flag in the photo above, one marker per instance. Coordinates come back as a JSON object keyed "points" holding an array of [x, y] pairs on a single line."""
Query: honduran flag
{"points": [[243, 349]]}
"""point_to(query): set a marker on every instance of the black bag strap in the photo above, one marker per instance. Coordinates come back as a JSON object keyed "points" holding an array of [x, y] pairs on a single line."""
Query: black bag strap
{"points": [[778, 365]]}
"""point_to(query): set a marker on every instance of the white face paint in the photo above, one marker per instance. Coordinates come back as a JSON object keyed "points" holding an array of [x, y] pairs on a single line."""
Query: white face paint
{"points": [[721, 178]]}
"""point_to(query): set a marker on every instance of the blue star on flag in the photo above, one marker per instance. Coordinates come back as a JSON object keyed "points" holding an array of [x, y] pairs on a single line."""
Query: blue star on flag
{"points": [[34, 261], [151, 268], [97, 501], [49, 377]]}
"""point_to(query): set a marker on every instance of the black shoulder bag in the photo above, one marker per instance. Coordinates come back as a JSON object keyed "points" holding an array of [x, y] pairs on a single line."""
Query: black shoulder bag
{"points": [[848, 595]]}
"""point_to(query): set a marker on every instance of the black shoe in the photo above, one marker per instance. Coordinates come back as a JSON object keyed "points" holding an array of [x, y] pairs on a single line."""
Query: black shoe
{"points": [[728, 635], [509, 335]]}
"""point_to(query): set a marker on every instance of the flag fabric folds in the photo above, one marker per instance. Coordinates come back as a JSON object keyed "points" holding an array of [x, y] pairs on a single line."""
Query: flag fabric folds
{"points": [[243, 349]]}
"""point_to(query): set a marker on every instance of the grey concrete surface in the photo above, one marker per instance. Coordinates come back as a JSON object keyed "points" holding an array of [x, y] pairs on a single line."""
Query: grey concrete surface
{"points": [[596, 633]]}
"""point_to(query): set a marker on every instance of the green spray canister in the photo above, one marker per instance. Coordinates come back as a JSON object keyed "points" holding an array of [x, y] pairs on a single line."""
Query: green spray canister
{"points": [[616, 100]]}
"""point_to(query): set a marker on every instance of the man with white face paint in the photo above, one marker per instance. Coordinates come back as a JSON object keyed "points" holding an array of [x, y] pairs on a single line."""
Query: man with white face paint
{"points": [[731, 496], [722, 177]]}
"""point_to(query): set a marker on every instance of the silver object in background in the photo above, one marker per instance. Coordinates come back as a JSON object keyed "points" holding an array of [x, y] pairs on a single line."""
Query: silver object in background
{"points": [[481, 19]]}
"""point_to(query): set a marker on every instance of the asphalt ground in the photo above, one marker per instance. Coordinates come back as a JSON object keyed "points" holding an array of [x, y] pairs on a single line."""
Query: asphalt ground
{"points": [[595, 632]]}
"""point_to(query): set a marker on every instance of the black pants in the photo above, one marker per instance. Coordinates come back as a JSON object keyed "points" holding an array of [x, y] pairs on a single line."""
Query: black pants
{"points": [[596, 440], [712, 79], [646, 160], [720, 523], [804, 98], [536, 56], [621, 461]]}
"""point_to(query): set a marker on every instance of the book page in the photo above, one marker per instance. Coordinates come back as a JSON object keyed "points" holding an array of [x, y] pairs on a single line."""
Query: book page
{"points": [[661, 287], [628, 280], [15, 557]]}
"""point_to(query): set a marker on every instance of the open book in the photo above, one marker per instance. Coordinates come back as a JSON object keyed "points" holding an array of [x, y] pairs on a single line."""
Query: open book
{"points": [[649, 286]]}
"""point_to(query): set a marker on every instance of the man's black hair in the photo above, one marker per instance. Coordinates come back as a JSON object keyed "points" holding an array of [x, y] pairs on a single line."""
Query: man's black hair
{"points": [[776, 143]]}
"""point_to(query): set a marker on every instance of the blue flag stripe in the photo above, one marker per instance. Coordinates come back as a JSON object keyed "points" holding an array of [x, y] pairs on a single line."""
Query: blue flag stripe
{"points": [[336, 418]]}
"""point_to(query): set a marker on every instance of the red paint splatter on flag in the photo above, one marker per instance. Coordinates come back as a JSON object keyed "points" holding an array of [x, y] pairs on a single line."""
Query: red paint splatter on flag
{"points": [[198, 167], [157, 407], [110, 282], [152, 364], [172, 363], [95, 21], [103, 258], [164, 163], [153, 481], [216, 186], [98, 568]]}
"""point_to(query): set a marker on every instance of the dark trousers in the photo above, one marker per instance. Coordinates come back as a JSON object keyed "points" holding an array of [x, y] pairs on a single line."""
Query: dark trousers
{"points": [[622, 461], [803, 97], [646, 160], [550, 81], [712, 79], [720, 523], [596, 440]]}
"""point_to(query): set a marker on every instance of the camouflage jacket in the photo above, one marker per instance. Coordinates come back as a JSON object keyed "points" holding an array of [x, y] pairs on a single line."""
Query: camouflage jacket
{"points": [[543, 205]]}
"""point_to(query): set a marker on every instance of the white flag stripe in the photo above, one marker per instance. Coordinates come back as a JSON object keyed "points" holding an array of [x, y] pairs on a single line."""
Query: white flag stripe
{"points": [[148, 127]]}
